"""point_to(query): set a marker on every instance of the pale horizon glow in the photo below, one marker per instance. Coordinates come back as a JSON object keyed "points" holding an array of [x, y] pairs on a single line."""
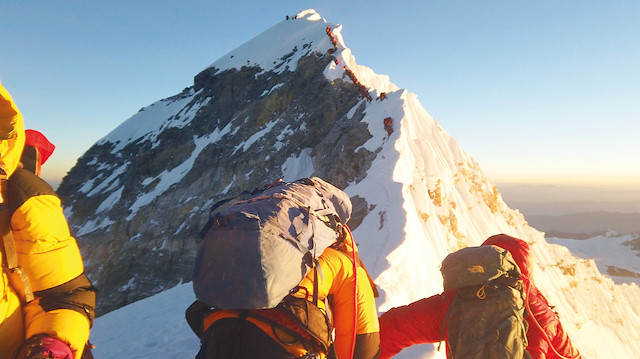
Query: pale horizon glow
{"points": [[576, 179]]}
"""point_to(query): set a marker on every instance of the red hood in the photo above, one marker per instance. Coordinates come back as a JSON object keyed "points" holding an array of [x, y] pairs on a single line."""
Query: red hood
{"points": [[518, 248], [39, 141]]}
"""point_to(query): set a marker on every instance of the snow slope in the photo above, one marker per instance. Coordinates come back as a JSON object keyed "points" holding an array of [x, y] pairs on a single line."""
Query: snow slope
{"points": [[155, 327], [607, 251], [429, 198], [150, 328]]}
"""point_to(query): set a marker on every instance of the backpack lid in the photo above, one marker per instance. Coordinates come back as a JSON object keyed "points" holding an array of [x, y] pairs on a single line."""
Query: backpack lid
{"points": [[477, 265]]}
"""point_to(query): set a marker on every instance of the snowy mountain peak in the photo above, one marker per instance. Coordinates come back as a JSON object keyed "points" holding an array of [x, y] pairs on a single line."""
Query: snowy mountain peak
{"points": [[289, 103], [280, 47]]}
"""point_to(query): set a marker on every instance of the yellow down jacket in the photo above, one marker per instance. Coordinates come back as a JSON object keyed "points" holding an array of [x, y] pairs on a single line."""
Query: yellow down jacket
{"points": [[63, 298]]}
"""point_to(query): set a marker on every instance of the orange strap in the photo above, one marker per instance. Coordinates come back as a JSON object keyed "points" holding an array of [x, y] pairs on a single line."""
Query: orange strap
{"points": [[355, 291]]}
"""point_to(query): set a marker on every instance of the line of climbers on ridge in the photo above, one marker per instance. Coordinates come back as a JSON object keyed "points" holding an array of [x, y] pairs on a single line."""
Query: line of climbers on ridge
{"points": [[335, 44], [364, 92], [333, 41], [278, 276]]}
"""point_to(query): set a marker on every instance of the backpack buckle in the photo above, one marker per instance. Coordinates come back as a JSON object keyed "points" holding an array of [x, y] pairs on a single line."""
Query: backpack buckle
{"points": [[311, 356]]}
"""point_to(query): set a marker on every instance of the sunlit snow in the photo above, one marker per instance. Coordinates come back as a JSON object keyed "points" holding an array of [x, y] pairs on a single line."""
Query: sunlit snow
{"points": [[426, 195], [608, 251], [149, 122]]}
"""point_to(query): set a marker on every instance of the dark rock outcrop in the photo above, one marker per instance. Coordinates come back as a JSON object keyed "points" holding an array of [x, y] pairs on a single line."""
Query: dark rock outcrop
{"points": [[137, 252]]}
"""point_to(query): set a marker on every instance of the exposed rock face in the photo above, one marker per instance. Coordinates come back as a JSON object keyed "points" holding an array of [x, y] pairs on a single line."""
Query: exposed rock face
{"points": [[139, 250], [138, 198]]}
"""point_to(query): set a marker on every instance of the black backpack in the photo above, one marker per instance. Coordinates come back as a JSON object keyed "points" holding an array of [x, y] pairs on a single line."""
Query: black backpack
{"points": [[486, 318], [295, 321]]}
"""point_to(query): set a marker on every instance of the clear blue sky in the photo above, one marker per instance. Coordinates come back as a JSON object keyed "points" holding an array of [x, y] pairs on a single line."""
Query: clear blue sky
{"points": [[535, 90]]}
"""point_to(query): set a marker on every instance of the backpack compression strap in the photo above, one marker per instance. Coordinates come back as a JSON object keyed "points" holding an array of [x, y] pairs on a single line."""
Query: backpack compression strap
{"points": [[213, 217], [355, 291], [8, 242]]}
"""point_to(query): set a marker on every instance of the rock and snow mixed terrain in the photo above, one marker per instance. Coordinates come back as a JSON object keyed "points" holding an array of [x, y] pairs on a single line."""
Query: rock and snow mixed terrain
{"points": [[293, 102]]}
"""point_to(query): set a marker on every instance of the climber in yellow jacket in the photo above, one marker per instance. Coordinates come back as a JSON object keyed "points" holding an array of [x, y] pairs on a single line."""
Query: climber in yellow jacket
{"points": [[267, 333], [46, 301]]}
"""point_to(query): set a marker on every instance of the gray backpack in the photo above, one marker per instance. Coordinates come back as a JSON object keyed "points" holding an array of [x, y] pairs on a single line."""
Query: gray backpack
{"points": [[486, 318], [257, 250]]}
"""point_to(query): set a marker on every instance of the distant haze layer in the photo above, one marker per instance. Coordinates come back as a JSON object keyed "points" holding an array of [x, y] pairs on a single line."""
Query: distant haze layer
{"points": [[550, 199]]}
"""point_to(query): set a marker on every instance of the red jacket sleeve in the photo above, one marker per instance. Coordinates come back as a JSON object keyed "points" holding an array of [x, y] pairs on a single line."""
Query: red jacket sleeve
{"points": [[421, 322], [417, 323], [545, 328]]}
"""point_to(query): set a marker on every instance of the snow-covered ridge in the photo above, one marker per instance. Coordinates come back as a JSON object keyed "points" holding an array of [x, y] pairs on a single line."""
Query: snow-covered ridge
{"points": [[151, 120], [426, 195], [296, 37], [280, 47]]}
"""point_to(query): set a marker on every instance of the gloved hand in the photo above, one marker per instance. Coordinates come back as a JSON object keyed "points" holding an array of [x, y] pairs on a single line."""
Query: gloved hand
{"points": [[42, 346]]}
